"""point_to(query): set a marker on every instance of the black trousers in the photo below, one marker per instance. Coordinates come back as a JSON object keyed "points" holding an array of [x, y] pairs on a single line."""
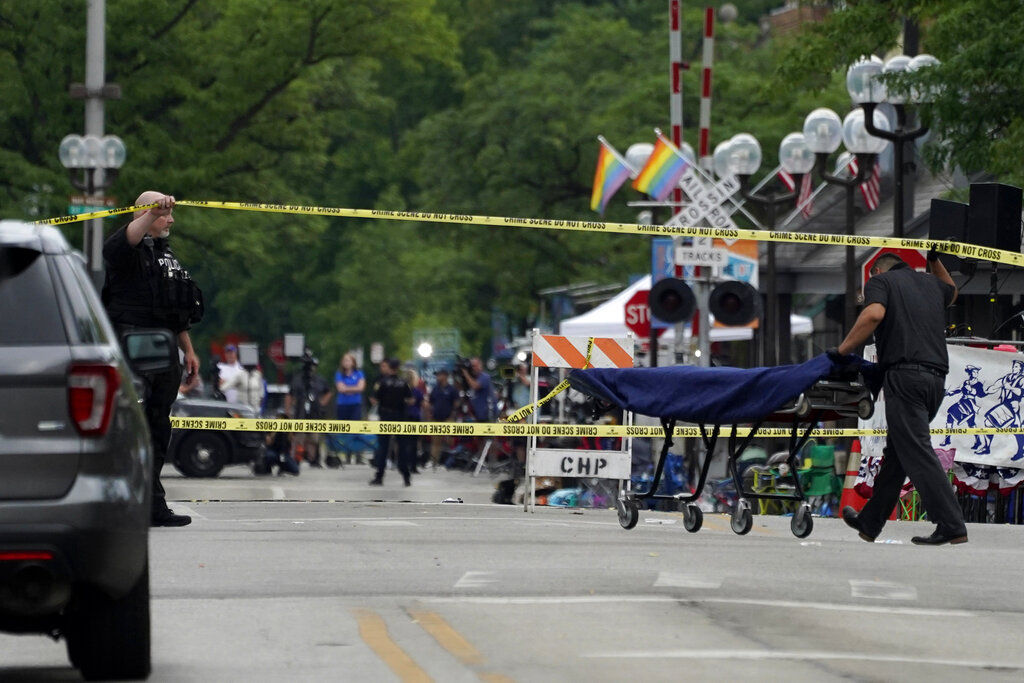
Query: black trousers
{"points": [[912, 399], [405, 456], [161, 390]]}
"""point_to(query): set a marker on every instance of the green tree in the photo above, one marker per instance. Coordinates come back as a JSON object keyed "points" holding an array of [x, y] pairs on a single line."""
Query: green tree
{"points": [[976, 117]]}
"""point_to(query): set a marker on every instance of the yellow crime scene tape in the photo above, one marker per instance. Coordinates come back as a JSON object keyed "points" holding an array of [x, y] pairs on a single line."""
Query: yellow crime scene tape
{"points": [[504, 429], [954, 248], [507, 429]]}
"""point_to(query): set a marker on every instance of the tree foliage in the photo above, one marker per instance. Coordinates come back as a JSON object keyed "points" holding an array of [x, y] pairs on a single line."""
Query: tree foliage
{"points": [[475, 106]]}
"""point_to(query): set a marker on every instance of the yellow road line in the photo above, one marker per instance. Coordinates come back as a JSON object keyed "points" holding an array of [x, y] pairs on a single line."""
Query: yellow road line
{"points": [[374, 633], [447, 637], [452, 641]]}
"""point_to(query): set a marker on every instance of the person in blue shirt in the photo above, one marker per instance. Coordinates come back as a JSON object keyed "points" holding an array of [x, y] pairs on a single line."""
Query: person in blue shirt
{"points": [[443, 398], [350, 384], [482, 395]]}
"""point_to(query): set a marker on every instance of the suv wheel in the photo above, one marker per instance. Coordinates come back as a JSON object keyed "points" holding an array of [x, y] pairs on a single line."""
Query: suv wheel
{"points": [[108, 639], [201, 454]]}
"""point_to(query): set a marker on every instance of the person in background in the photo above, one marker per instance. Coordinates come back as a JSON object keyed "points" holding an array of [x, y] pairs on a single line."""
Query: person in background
{"points": [[482, 395], [443, 398], [278, 453], [247, 387], [308, 400], [391, 395], [228, 374], [349, 383], [409, 445]]}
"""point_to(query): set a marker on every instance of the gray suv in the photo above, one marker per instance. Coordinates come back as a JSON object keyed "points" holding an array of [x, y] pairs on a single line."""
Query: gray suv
{"points": [[74, 459]]}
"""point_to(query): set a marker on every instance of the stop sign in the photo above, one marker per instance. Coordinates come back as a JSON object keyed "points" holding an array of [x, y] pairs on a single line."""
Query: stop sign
{"points": [[638, 314], [913, 257]]}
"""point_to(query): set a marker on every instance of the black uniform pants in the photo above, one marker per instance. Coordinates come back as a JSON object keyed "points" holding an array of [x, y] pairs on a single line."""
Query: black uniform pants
{"points": [[912, 399], [161, 390]]}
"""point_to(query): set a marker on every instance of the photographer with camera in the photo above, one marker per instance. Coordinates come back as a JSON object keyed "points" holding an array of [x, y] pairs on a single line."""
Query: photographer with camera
{"points": [[308, 399], [146, 286], [481, 394]]}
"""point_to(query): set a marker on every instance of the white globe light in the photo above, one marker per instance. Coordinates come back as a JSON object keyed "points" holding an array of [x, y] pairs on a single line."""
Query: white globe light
{"points": [[425, 350], [862, 80], [638, 153], [720, 159], [794, 154], [113, 151], [917, 93], [72, 151], [896, 65], [856, 136], [93, 152], [744, 154], [823, 130], [687, 151]]}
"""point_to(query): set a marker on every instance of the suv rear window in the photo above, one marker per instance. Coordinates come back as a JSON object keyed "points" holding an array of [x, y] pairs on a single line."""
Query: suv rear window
{"points": [[28, 301]]}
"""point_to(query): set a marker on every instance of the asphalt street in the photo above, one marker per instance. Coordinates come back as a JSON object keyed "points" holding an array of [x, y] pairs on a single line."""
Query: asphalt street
{"points": [[289, 590]]}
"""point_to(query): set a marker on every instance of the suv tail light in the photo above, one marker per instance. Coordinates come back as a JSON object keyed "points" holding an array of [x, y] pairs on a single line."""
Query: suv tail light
{"points": [[91, 390]]}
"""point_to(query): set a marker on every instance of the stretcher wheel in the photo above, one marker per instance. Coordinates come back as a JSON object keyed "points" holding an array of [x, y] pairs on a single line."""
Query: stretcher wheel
{"points": [[742, 518], [693, 517], [865, 408], [802, 523], [803, 407], [629, 513]]}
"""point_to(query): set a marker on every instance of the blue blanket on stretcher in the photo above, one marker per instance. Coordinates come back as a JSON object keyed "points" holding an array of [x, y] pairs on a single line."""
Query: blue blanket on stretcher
{"points": [[711, 395]]}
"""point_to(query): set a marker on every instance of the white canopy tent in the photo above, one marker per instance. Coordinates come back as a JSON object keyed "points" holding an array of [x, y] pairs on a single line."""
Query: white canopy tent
{"points": [[609, 320]]}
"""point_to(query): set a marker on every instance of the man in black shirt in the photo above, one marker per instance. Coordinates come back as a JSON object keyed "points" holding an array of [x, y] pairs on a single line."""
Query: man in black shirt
{"points": [[391, 395], [906, 312], [307, 400], [146, 286]]}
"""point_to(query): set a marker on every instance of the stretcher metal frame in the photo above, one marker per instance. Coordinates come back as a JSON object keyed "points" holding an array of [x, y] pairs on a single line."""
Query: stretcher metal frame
{"points": [[828, 398]]}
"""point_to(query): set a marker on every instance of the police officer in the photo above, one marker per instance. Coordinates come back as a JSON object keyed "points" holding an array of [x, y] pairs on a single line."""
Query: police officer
{"points": [[906, 311], [146, 286], [392, 396]]}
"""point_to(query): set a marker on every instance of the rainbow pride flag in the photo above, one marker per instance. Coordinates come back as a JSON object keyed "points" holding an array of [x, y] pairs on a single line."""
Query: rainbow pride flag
{"points": [[662, 172], [611, 173]]}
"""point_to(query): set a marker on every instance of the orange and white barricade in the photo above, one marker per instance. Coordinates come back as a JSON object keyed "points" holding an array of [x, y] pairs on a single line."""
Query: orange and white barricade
{"points": [[571, 352]]}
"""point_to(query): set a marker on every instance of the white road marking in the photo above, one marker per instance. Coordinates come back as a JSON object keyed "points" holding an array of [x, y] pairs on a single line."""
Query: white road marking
{"points": [[800, 655], [676, 580], [474, 580], [182, 509], [277, 492], [881, 590], [635, 599], [386, 522]]}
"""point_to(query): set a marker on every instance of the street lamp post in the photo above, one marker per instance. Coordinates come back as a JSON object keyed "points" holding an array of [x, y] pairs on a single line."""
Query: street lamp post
{"points": [[823, 131], [867, 91], [93, 163], [743, 159]]}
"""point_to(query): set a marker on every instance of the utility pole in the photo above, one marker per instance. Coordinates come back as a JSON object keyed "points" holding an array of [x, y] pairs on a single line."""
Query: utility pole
{"points": [[95, 52]]}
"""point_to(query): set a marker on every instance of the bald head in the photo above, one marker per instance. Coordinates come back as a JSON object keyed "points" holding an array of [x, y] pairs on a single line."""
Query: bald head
{"points": [[147, 197]]}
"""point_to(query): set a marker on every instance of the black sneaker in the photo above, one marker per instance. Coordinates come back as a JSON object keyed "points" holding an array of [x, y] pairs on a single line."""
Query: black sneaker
{"points": [[168, 518], [376, 482], [938, 538], [853, 521]]}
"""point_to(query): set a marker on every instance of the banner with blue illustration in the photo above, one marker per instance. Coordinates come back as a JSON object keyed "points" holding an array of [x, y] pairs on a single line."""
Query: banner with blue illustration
{"points": [[984, 388]]}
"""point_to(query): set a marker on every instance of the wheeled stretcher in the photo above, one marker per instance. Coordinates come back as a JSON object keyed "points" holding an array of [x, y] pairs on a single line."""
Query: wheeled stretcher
{"points": [[799, 396]]}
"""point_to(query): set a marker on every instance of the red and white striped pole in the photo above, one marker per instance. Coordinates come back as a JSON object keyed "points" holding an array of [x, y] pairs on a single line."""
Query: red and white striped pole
{"points": [[704, 151], [675, 53]]}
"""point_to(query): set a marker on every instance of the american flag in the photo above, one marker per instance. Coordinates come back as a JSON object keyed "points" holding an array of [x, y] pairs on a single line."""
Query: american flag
{"points": [[805, 191], [803, 200], [870, 188]]}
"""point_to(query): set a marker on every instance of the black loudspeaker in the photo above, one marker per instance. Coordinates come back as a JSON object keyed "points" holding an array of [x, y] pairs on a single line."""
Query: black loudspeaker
{"points": [[734, 303], [948, 221], [671, 300], [993, 219]]}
